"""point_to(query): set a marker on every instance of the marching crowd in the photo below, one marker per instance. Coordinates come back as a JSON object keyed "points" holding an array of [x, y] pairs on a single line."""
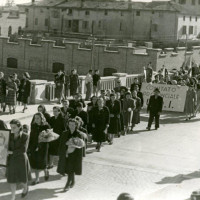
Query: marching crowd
{"points": [[109, 113]]}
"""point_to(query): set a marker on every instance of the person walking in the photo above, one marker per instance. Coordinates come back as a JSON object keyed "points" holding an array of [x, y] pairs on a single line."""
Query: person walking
{"points": [[57, 124], [18, 167], [136, 111], [100, 122], [11, 98], [74, 82], [25, 90], [2, 91], [190, 102], [59, 81], [66, 111], [128, 107], [88, 84], [96, 82], [38, 152], [70, 153], [82, 114], [114, 107], [67, 84], [154, 108]]}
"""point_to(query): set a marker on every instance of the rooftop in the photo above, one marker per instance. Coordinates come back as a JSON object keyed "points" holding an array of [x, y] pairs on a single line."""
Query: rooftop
{"points": [[157, 5]]}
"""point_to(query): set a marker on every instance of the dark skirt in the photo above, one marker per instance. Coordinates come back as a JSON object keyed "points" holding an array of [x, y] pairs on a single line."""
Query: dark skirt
{"points": [[74, 162], [18, 169], [11, 98], [73, 90], [136, 117], [39, 159], [99, 135], [53, 147], [114, 125], [59, 91], [22, 98]]}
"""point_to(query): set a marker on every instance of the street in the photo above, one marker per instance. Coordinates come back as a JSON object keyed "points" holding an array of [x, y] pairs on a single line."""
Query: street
{"points": [[150, 165]]}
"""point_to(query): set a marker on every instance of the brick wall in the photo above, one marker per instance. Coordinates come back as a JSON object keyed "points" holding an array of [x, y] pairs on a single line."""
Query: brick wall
{"points": [[39, 59]]}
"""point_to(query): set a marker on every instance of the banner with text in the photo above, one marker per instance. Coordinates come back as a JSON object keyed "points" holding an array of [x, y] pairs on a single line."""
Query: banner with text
{"points": [[173, 96]]}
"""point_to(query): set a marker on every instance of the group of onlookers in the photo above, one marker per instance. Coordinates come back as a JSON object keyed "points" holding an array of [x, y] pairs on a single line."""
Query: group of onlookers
{"points": [[14, 90], [65, 83]]}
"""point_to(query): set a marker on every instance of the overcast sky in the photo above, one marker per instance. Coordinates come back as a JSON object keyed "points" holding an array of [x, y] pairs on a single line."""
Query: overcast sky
{"points": [[2, 2]]}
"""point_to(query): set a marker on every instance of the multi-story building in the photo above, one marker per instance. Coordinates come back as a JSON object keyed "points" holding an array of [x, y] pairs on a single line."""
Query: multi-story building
{"points": [[12, 20], [162, 21]]}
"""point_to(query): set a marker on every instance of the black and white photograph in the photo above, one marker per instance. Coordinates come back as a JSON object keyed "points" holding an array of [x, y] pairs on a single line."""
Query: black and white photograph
{"points": [[100, 99]]}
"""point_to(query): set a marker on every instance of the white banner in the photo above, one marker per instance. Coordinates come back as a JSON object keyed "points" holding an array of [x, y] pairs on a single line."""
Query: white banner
{"points": [[173, 96]]}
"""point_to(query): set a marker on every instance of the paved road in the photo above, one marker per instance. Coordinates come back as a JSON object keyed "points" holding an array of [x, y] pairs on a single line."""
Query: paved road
{"points": [[155, 165]]}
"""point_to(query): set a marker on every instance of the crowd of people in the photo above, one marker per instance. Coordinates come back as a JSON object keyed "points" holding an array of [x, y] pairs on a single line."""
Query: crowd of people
{"points": [[78, 123], [109, 113], [14, 90], [182, 77]]}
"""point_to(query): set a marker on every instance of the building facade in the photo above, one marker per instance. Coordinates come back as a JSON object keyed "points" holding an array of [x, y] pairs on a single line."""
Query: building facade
{"points": [[166, 21], [12, 20]]}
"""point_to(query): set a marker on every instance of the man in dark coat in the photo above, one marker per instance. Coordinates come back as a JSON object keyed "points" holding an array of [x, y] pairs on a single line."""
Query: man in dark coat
{"points": [[154, 108]]}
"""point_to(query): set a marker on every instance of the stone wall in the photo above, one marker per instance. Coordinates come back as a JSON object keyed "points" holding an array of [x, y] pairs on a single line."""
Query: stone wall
{"points": [[38, 59]]}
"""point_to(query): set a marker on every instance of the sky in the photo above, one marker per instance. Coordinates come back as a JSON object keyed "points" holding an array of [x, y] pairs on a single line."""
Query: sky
{"points": [[2, 2]]}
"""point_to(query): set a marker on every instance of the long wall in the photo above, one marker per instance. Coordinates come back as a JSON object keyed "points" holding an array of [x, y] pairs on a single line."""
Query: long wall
{"points": [[39, 59]]}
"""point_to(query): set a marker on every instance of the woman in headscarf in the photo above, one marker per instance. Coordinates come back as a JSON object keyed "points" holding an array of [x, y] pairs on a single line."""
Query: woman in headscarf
{"points": [[38, 151], [70, 153], [18, 168]]}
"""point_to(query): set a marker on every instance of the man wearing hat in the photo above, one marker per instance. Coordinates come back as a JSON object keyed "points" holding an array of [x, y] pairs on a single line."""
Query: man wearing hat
{"points": [[154, 108]]}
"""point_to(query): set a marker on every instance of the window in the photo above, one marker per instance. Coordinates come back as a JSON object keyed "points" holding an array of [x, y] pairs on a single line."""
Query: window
{"points": [[155, 27], [41, 11], [105, 12], [153, 12], [190, 18], [69, 12], [184, 30], [182, 1], [26, 22], [122, 13], [137, 13], [99, 24], [196, 19], [55, 13], [183, 18], [121, 26], [87, 12], [193, 2], [46, 22], [26, 10], [85, 24], [57, 67], [199, 2], [9, 30], [68, 23], [19, 30], [12, 63], [191, 30], [36, 21]]}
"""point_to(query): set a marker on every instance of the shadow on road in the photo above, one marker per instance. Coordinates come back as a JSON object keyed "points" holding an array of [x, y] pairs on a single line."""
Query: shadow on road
{"points": [[38, 194], [180, 178]]}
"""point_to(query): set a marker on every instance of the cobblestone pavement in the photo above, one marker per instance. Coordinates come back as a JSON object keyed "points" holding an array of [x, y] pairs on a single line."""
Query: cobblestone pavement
{"points": [[155, 165]]}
